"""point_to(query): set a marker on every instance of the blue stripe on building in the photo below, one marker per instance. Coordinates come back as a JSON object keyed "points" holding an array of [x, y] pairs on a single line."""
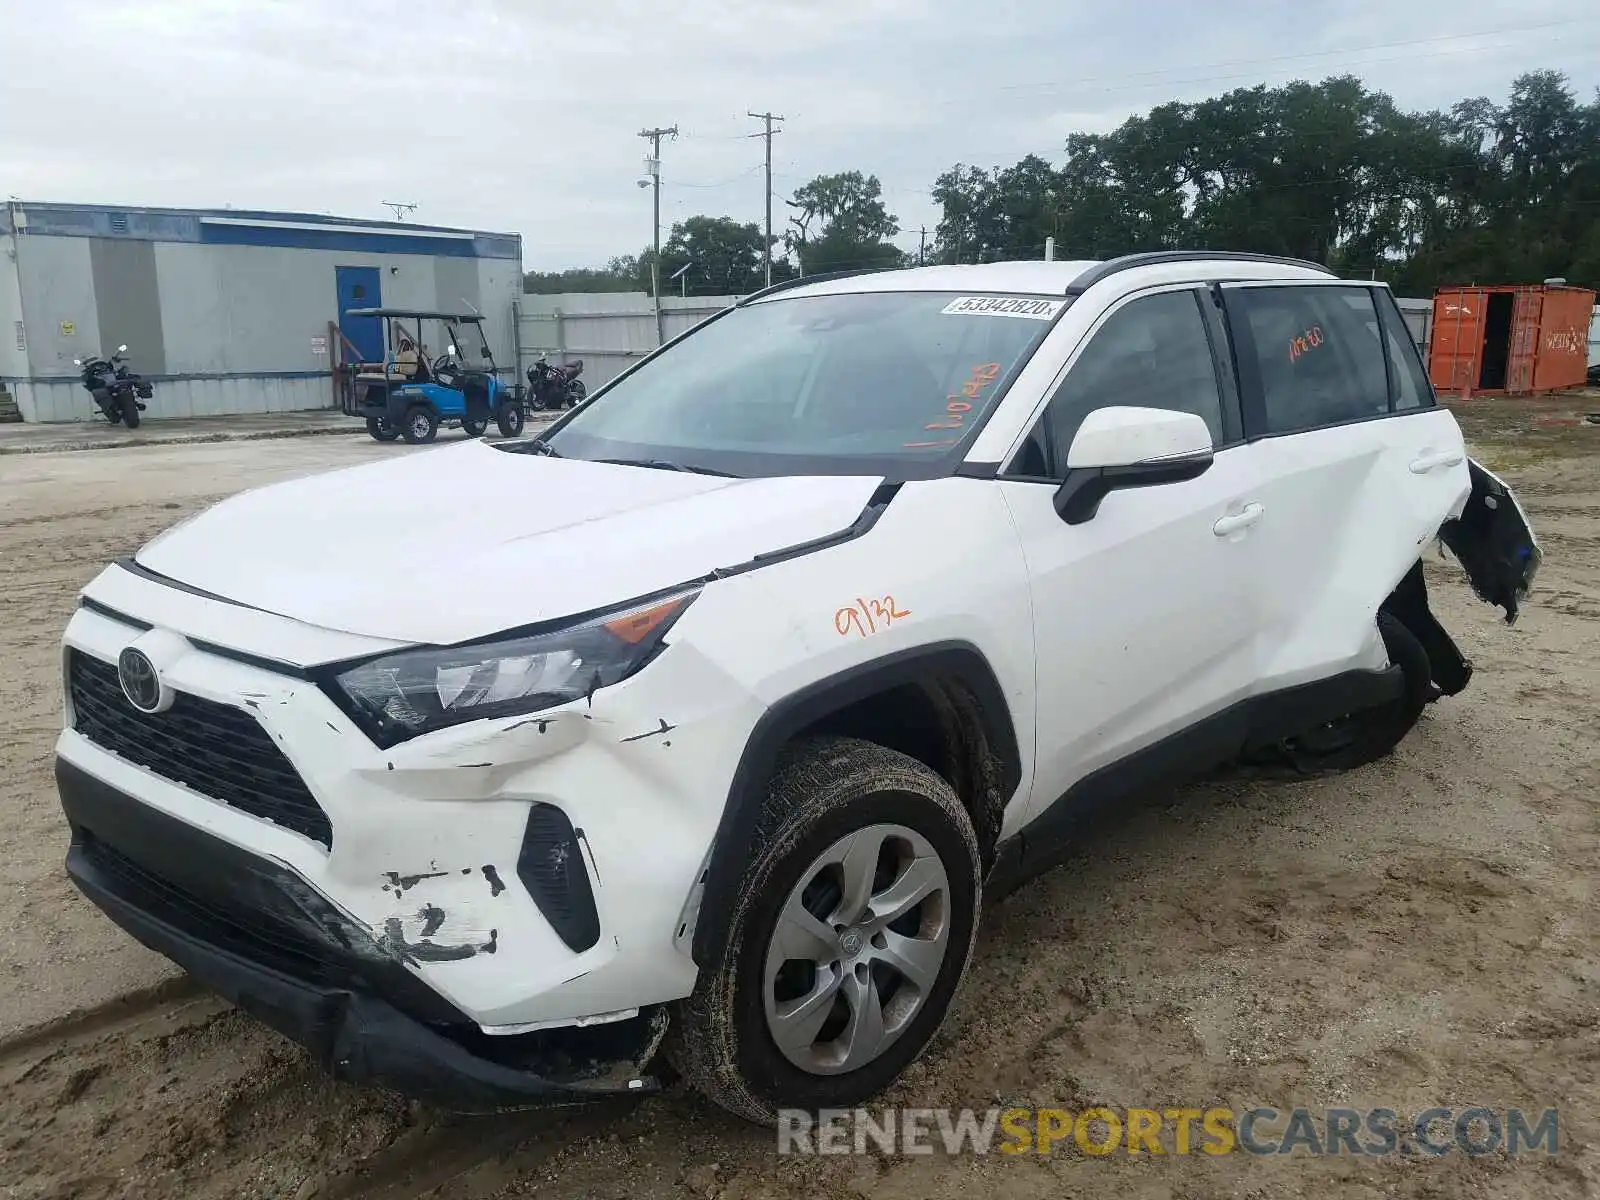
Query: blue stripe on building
{"points": [[224, 227]]}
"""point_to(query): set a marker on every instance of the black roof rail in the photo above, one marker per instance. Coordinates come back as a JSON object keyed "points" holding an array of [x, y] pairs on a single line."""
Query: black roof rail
{"points": [[1154, 258], [802, 280]]}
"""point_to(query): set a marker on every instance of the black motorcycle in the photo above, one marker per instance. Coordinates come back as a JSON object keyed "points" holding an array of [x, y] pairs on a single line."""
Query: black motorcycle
{"points": [[118, 391], [551, 387]]}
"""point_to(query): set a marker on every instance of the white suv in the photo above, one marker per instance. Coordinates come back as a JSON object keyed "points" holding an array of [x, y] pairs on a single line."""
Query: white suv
{"points": [[707, 718]]}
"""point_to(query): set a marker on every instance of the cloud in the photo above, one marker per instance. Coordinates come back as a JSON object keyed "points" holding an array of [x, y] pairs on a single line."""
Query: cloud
{"points": [[499, 114]]}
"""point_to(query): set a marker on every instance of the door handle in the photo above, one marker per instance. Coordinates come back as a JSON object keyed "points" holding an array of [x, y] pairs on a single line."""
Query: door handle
{"points": [[1243, 519], [1431, 460]]}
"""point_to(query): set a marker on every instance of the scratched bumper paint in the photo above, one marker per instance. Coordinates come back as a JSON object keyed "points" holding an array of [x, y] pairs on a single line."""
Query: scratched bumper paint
{"points": [[426, 834]]}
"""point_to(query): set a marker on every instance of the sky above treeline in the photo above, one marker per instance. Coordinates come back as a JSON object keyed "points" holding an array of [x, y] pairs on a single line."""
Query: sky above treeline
{"points": [[517, 117]]}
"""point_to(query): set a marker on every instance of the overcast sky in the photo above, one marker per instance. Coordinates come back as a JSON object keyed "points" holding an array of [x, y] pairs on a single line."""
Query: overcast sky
{"points": [[522, 115]]}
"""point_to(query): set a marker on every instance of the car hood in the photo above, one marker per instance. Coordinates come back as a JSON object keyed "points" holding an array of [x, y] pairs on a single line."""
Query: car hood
{"points": [[465, 541]]}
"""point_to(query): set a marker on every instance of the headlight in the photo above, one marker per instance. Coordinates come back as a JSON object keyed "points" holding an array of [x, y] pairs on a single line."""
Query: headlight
{"points": [[415, 691]]}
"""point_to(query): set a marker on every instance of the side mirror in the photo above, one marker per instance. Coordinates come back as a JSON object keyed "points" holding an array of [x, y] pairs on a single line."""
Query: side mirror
{"points": [[486, 354], [77, 362], [122, 349], [1123, 447], [450, 350]]}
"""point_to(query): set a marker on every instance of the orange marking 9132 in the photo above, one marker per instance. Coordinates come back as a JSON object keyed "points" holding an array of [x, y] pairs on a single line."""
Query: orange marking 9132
{"points": [[867, 617]]}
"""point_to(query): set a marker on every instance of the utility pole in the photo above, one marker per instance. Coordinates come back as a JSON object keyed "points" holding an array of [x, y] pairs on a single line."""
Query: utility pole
{"points": [[922, 248], [769, 118], [652, 166]]}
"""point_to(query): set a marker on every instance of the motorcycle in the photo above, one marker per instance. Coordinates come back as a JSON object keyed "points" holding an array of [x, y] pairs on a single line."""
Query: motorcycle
{"points": [[118, 391], [551, 387]]}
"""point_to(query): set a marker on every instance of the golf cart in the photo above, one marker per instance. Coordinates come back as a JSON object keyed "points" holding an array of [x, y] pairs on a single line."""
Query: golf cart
{"points": [[437, 369]]}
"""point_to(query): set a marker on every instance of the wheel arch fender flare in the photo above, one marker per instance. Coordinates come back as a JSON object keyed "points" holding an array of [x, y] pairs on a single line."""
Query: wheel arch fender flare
{"points": [[959, 661], [405, 403]]}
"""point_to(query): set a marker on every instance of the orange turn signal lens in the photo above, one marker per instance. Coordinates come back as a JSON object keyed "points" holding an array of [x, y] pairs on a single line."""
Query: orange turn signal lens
{"points": [[632, 628]]}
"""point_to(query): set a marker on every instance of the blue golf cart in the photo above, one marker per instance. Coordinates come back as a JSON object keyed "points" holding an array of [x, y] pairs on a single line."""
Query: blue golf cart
{"points": [[437, 370]]}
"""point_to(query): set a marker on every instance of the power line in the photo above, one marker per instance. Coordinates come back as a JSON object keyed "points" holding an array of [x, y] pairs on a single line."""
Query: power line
{"points": [[766, 135], [732, 179]]}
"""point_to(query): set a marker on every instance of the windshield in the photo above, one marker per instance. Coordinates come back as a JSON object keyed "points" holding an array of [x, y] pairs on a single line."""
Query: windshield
{"points": [[886, 383], [472, 348]]}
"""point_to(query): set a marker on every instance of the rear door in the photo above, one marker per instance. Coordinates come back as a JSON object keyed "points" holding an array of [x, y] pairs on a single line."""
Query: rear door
{"points": [[1357, 467], [359, 287], [1455, 340], [1526, 319]]}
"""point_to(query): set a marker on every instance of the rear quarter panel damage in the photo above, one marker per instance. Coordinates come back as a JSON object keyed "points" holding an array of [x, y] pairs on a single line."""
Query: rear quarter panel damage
{"points": [[1494, 542]]}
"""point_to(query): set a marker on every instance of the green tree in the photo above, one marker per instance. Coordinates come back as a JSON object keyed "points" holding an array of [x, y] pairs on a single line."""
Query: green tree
{"points": [[723, 257], [1332, 172], [619, 275], [999, 214], [840, 223]]}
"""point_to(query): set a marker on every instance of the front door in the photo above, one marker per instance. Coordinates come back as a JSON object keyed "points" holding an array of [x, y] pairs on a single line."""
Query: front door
{"points": [[360, 287], [1143, 621]]}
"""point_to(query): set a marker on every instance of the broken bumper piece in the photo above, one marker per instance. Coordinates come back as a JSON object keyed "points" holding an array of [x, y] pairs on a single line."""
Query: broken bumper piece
{"points": [[253, 931]]}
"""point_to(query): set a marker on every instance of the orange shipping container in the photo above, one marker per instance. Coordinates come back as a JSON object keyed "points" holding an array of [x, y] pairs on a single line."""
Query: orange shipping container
{"points": [[1513, 339]]}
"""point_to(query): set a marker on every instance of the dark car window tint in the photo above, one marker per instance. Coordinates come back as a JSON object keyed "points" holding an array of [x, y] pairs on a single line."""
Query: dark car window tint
{"points": [[1319, 355], [1408, 380], [1153, 353]]}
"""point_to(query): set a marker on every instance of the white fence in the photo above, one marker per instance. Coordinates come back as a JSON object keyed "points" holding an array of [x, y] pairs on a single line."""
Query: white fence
{"points": [[608, 330], [1418, 315]]}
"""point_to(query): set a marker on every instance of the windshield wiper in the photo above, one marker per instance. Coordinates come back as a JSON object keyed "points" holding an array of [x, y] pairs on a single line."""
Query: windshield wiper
{"points": [[662, 464], [540, 446]]}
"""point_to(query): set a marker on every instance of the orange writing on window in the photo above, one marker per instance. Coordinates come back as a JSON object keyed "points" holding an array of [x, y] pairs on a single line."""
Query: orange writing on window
{"points": [[957, 407], [1304, 343]]}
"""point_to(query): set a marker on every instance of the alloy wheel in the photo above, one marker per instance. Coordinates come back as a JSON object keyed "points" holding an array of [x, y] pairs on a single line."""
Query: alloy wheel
{"points": [[857, 948]]}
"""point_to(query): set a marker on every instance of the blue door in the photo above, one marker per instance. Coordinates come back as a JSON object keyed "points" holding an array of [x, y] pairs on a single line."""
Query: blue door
{"points": [[359, 287]]}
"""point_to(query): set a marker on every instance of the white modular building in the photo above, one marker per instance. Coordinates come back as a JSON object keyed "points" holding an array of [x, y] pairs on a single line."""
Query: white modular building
{"points": [[226, 311]]}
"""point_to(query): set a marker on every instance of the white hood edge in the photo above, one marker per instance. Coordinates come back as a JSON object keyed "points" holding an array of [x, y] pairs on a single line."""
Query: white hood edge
{"points": [[464, 541]]}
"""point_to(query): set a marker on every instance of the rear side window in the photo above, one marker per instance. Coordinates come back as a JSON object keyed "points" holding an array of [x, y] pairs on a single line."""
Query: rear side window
{"points": [[1409, 388], [1318, 354]]}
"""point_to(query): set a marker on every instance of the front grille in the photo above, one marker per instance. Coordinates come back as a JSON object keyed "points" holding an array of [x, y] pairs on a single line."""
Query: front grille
{"points": [[253, 937], [216, 749]]}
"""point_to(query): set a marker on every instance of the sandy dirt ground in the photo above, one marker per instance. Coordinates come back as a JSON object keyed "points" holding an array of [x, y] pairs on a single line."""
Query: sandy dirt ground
{"points": [[1423, 931]]}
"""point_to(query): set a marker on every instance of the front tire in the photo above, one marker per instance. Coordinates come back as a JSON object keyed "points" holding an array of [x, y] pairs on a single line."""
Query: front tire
{"points": [[852, 927], [576, 393], [509, 418], [419, 425], [130, 413]]}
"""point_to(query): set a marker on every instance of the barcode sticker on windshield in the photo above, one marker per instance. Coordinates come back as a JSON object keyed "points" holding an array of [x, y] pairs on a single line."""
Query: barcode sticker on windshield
{"points": [[1004, 306]]}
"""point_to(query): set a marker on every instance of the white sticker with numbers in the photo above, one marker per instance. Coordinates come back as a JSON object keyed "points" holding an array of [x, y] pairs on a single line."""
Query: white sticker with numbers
{"points": [[1004, 306]]}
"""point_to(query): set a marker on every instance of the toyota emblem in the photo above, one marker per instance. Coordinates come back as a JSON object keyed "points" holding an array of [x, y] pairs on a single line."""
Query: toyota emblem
{"points": [[140, 683]]}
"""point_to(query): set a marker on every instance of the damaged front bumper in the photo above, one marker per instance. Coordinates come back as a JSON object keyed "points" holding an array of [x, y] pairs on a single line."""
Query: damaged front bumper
{"points": [[255, 932]]}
